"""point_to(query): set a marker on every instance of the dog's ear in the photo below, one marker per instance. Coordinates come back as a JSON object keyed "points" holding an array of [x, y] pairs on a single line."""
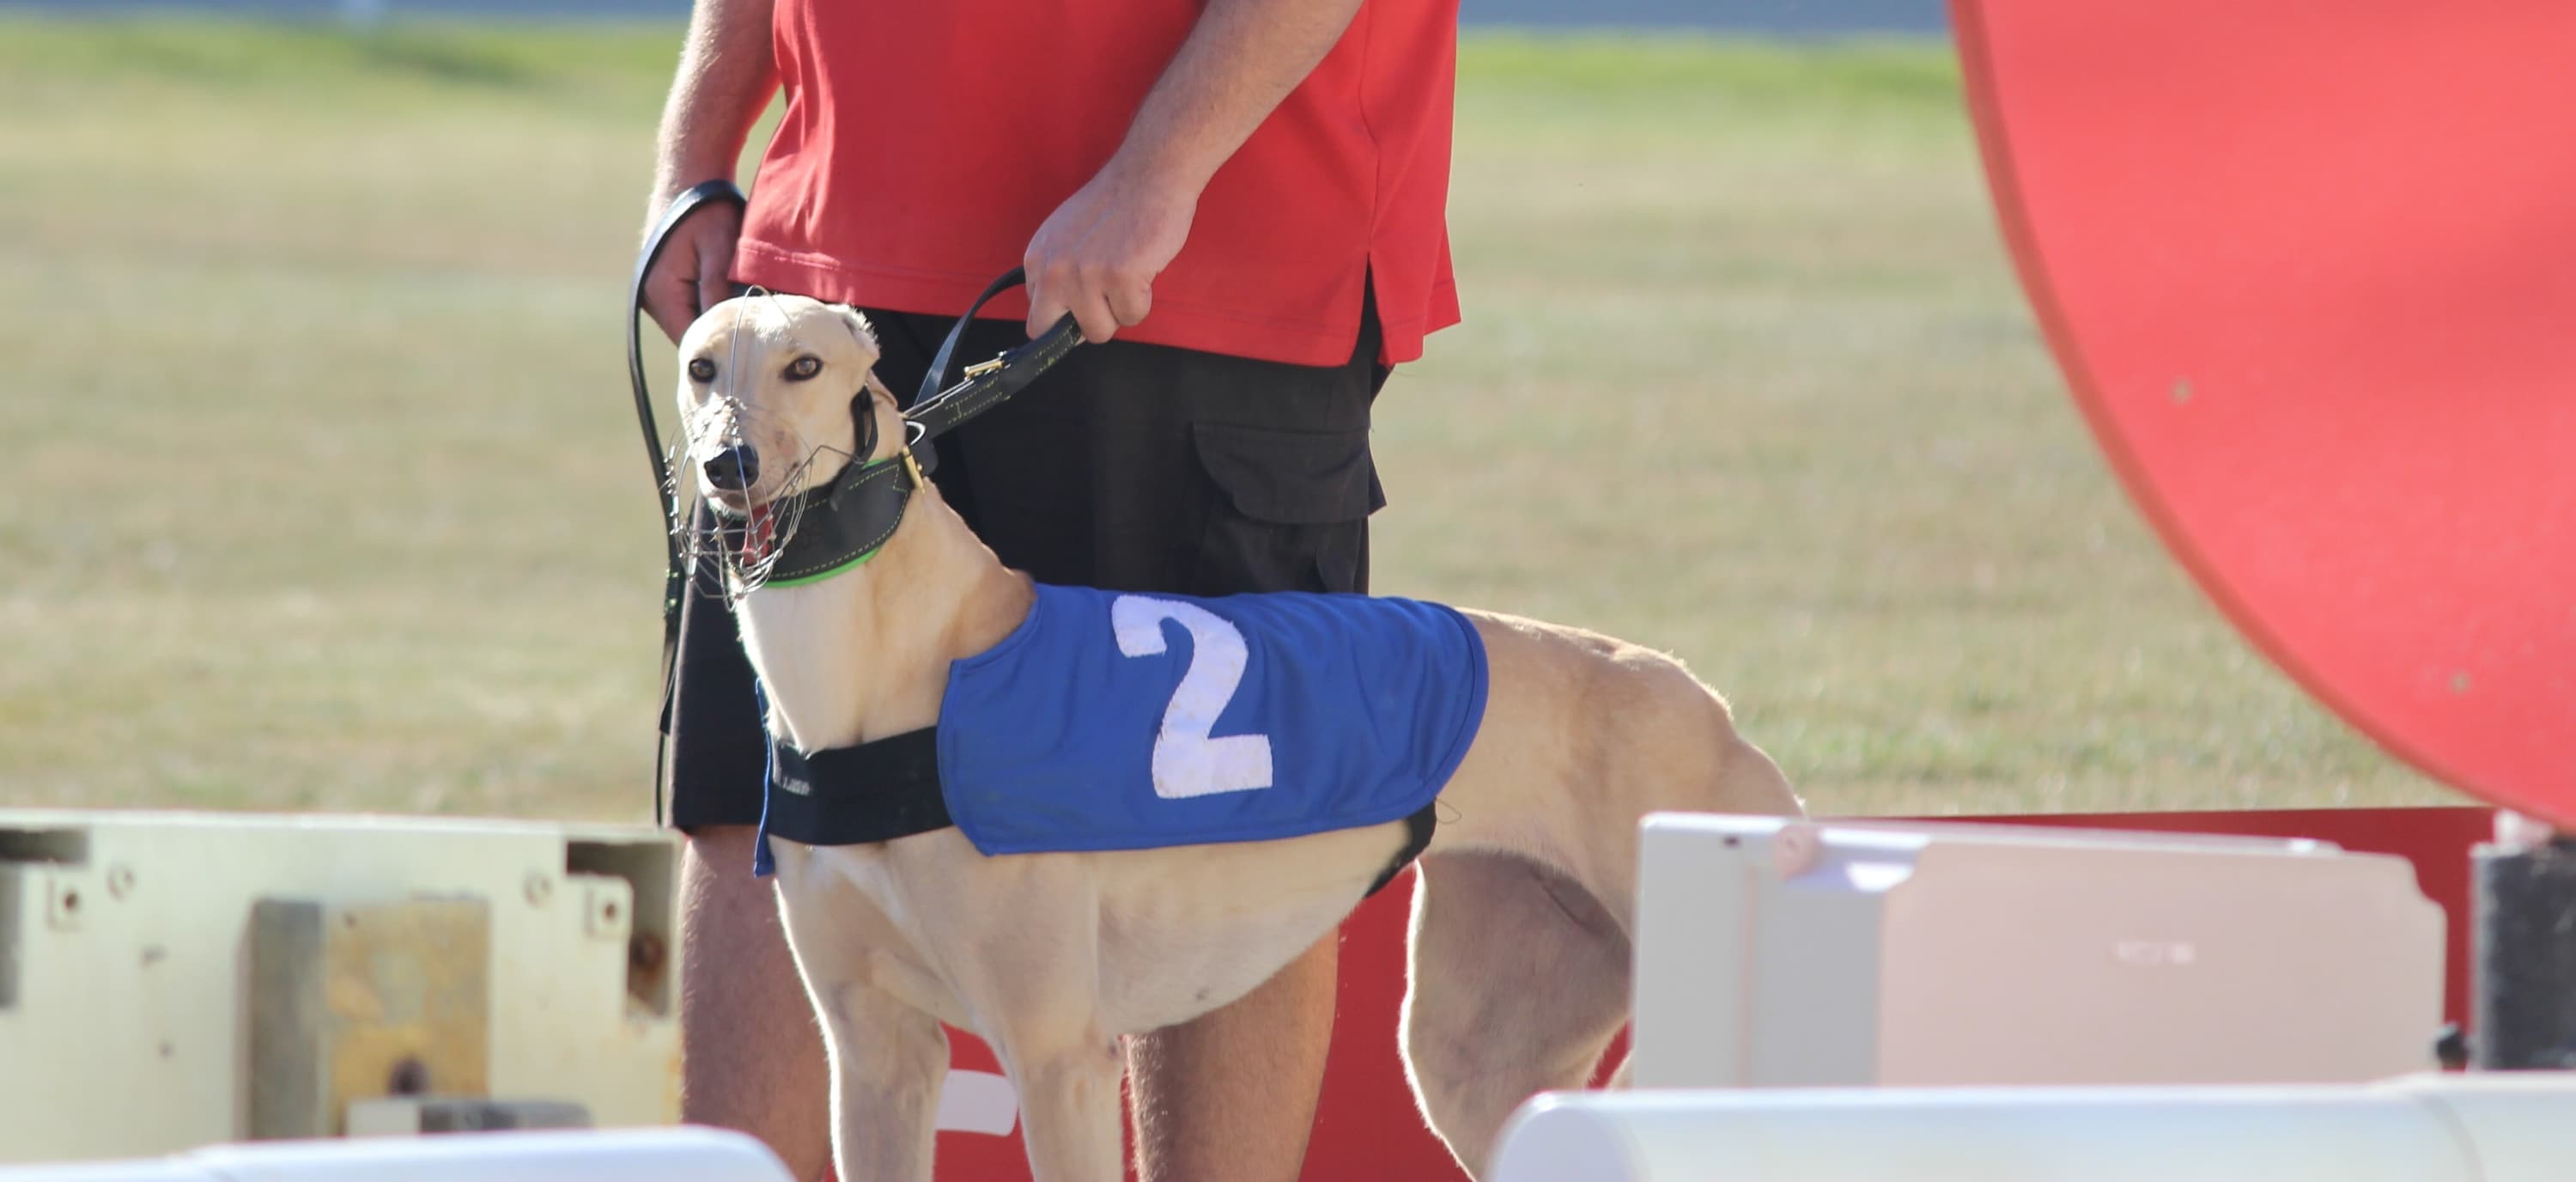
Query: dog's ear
{"points": [[859, 328]]}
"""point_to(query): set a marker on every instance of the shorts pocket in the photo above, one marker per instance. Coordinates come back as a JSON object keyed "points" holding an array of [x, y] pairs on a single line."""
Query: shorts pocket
{"points": [[1289, 512]]}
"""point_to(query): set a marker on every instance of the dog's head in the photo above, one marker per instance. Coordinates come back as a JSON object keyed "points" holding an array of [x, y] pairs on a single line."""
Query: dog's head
{"points": [[777, 393]]}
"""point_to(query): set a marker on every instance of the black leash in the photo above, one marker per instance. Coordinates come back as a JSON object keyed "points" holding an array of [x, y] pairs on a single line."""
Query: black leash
{"points": [[675, 580], [934, 412]]}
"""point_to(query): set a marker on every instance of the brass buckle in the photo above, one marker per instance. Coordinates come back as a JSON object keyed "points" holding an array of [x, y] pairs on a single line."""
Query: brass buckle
{"points": [[912, 468], [980, 368]]}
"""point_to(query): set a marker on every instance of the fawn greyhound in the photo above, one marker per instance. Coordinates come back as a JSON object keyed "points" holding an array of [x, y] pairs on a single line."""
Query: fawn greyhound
{"points": [[1519, 958]]}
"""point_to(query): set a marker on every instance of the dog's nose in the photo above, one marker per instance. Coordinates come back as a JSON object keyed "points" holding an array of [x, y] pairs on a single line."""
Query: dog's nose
{"points": [[733, 469]]}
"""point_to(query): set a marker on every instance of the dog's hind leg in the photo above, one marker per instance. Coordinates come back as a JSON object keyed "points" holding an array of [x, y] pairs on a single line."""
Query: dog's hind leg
{"points": [[1518, 981]]}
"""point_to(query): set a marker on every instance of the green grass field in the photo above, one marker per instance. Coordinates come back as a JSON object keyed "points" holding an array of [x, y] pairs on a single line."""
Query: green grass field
{"points": [[323, 492]]}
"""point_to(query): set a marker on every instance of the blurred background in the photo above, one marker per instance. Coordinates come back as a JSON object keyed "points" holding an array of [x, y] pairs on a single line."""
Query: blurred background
{"points": [[324, 491]]}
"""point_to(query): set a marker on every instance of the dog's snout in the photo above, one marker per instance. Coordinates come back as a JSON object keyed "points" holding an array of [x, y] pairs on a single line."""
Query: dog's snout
{"points": [[733, 469]]}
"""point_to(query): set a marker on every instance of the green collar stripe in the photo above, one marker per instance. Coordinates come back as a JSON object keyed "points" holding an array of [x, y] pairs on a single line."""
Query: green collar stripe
{"points": [[821, 575]]}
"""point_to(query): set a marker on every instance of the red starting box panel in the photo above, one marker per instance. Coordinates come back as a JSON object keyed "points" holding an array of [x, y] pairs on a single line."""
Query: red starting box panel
{"points": [[2310, 269]]}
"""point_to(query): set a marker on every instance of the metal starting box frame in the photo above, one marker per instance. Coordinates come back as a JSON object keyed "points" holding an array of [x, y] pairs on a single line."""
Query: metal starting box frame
{"points": [[172, 980]]}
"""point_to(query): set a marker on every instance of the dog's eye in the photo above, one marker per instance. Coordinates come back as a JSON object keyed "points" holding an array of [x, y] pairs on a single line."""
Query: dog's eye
{"points": [[804, 367], [701, 369]]}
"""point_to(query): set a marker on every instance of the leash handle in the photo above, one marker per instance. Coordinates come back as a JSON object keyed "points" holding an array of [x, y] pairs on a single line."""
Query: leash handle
{"points": [[688, 202], [934, 411], [939, 362], [675, 579]]}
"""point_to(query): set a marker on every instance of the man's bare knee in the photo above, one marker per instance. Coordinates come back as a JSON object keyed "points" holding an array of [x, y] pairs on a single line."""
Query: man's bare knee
{"points": [[751, 1053]]}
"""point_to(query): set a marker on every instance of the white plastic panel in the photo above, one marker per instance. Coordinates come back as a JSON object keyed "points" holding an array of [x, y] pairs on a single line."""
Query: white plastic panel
{"points": [[1773, 952], [630, 1155], [2430, 1128]]}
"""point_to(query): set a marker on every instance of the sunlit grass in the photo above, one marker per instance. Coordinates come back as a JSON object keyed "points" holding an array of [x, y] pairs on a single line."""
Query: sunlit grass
{"points": [[324, 494]]}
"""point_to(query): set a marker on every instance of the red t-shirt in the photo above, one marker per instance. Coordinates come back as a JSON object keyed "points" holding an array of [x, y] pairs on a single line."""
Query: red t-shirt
{"points": [[925, 140]]}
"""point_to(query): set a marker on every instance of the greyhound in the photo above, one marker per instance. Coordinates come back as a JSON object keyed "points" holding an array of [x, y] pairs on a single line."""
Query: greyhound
{"points": [[1519, 948]]}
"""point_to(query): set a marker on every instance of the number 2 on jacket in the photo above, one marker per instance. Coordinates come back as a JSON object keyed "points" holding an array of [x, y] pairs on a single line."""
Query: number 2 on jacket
{"points": [[1187, 762]]}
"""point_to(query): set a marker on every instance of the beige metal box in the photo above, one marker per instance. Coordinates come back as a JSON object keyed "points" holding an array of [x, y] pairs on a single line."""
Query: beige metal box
{"points": [[170, 980]]}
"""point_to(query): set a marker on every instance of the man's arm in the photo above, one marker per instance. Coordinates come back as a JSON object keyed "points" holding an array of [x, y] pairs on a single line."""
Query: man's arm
{"points": [[727, 74], [1098, 254]]}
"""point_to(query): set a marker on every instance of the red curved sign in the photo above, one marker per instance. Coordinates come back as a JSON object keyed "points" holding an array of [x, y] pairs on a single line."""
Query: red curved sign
{"points": [[2309, 267]]}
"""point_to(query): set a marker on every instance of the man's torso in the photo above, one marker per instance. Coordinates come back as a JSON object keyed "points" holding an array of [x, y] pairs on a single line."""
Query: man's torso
{"points": [[923, 144]]}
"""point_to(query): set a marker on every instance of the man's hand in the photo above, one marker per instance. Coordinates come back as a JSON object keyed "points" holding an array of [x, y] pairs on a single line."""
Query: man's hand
{"points": [[727, 74], [1098, 254], [694, 271]]}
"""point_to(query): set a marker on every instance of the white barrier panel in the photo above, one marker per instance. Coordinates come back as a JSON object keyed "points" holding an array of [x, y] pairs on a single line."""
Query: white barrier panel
{"points": [[2429, 1128], [1775, 953], [624, 1155]]}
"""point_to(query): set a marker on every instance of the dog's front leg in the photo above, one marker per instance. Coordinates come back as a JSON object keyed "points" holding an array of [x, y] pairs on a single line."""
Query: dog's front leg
{"points": [[888, 1056], [1028, 933], [888, 1062], [1069, 1109]]}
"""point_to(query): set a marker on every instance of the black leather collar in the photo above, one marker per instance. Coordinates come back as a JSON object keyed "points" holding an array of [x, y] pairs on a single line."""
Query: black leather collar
{"points": [[835, 525]]}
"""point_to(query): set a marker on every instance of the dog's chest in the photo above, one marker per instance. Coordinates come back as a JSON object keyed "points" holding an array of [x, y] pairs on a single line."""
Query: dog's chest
{"points": [[783, 630]]}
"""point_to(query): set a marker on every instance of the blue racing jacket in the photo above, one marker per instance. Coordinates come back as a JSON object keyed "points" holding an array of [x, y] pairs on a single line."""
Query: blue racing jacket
{"points": [[1110, 720]]}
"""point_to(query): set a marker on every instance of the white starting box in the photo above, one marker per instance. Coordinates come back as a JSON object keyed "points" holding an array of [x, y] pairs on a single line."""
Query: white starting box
{"points": [[175, 980], [1784, 953], [1864, 1001]]}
